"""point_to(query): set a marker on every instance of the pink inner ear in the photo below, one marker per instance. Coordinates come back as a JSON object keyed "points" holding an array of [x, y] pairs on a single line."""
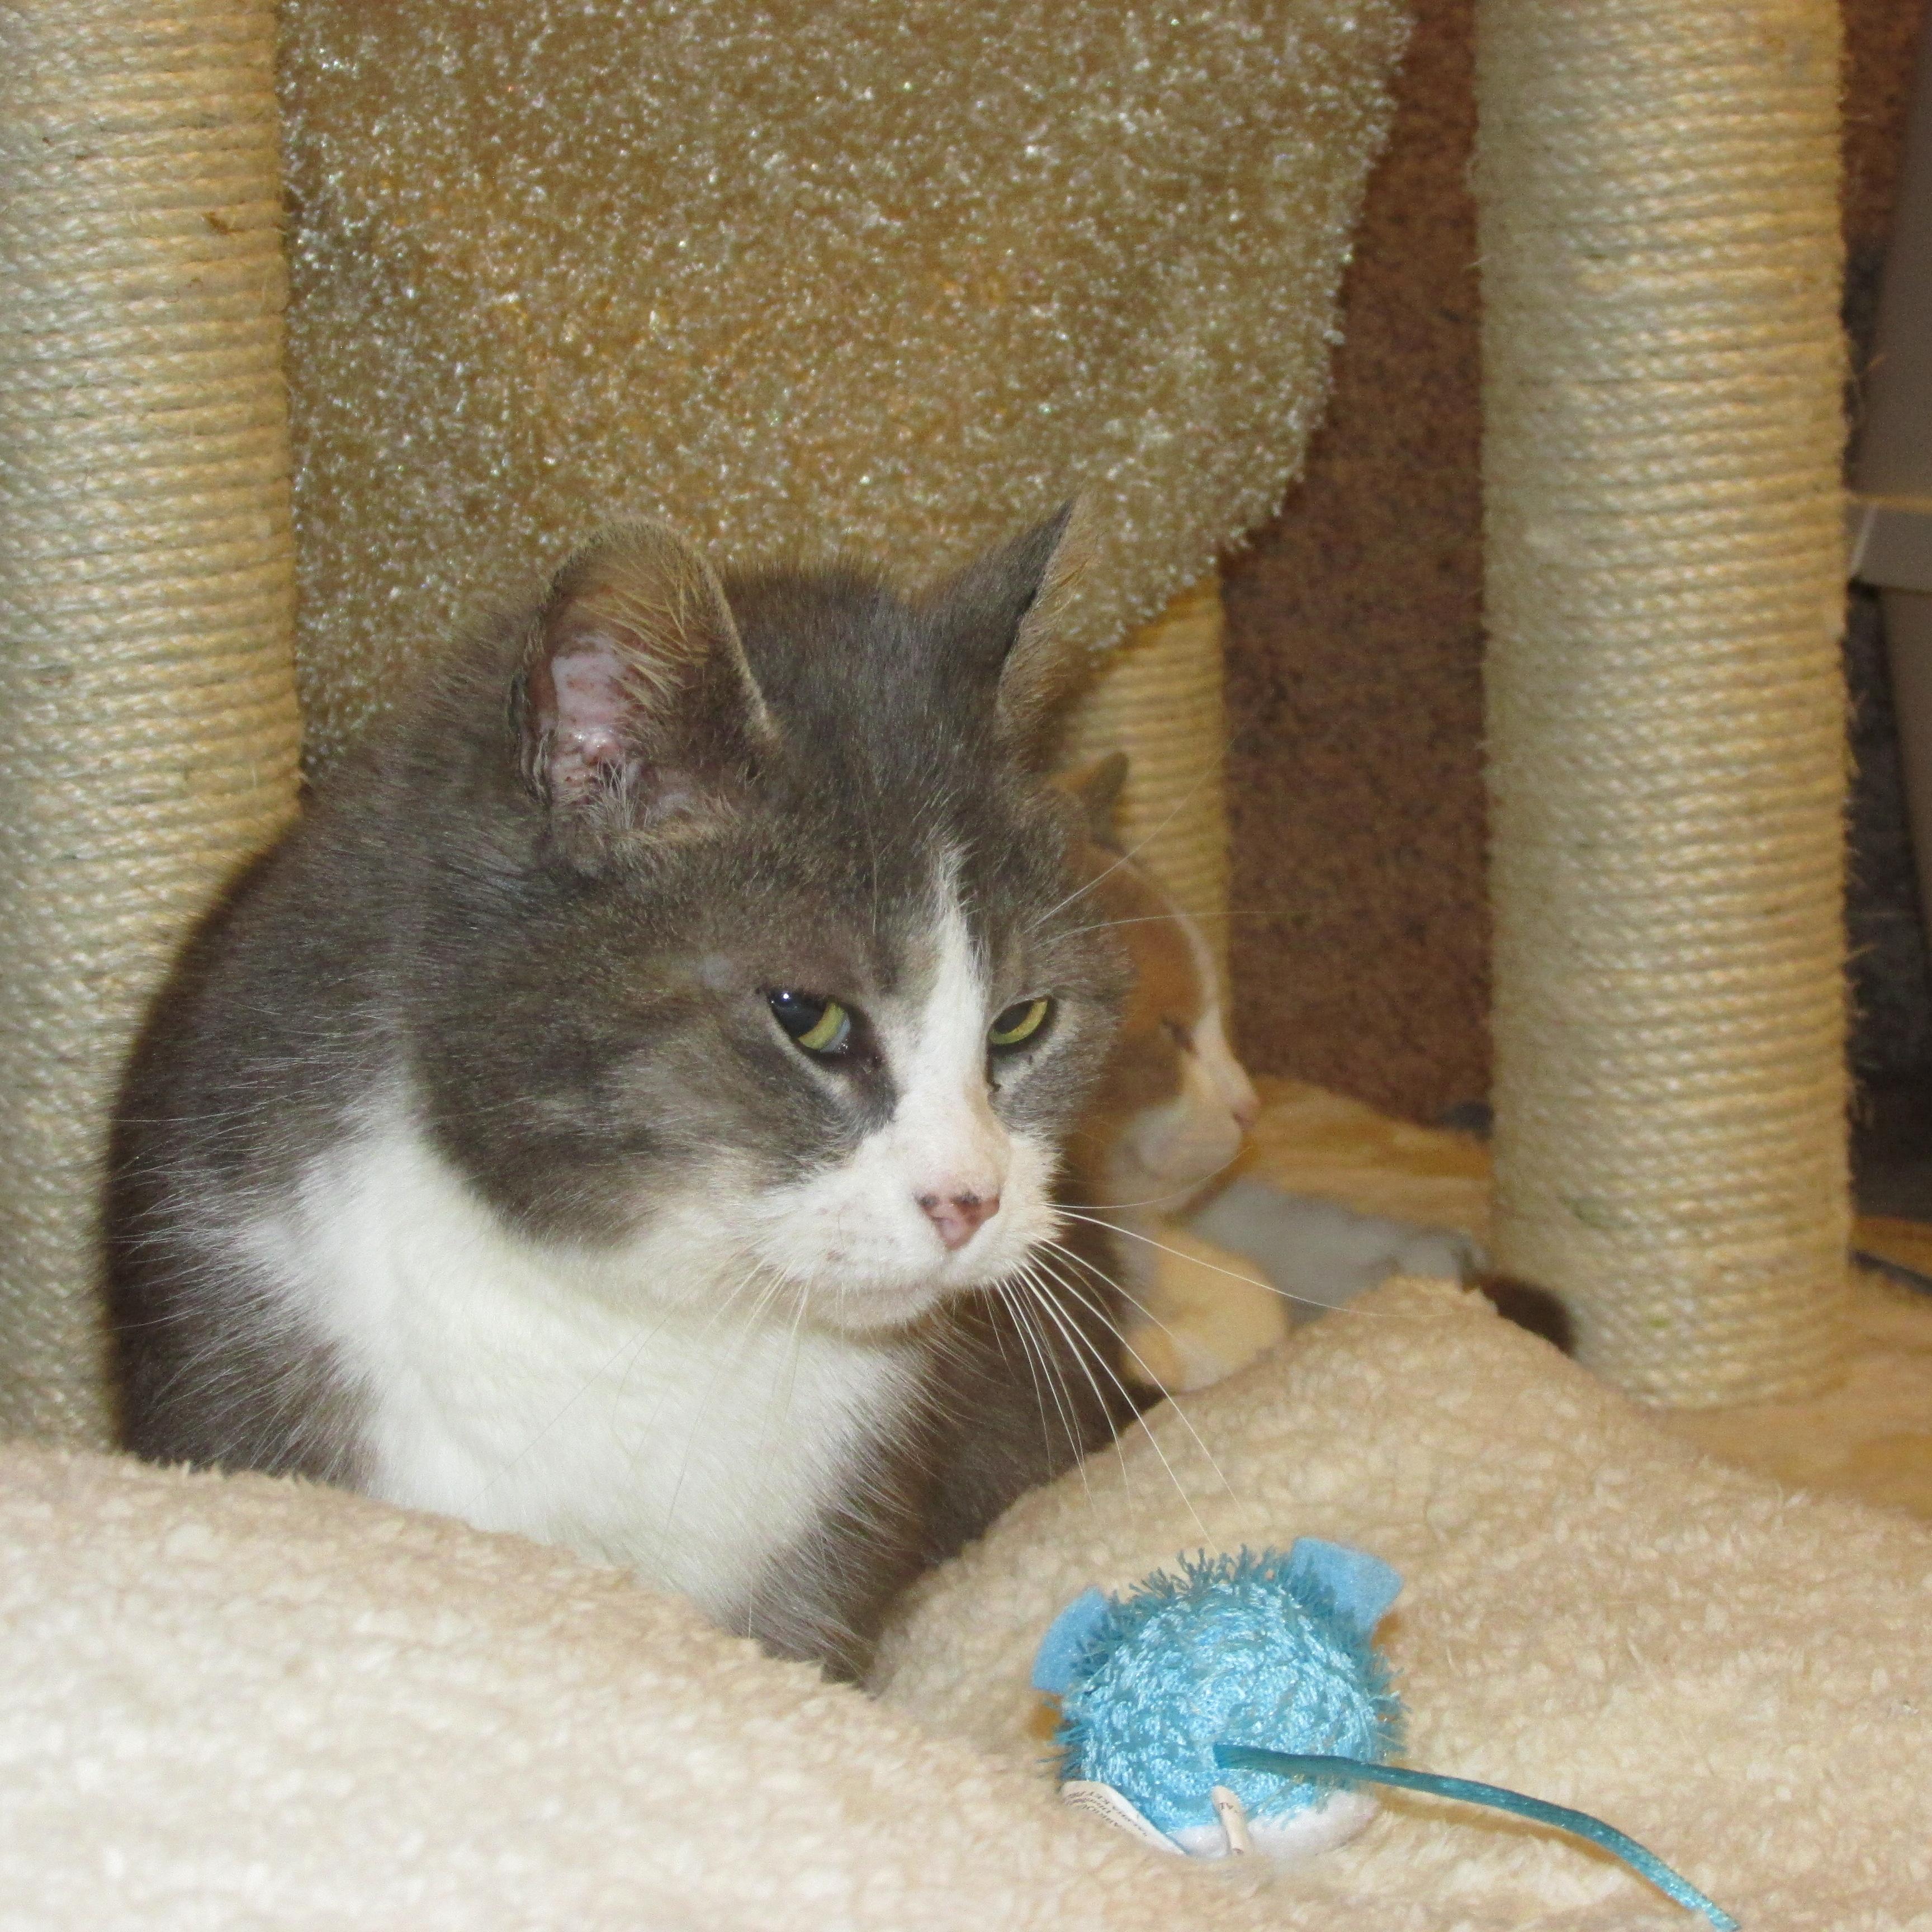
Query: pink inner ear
{"points": [[587, 743]]}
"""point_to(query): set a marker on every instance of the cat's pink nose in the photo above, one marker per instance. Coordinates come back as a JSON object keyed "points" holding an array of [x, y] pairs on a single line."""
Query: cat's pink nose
{"points": [[959, 1217], [1247, 1110]]}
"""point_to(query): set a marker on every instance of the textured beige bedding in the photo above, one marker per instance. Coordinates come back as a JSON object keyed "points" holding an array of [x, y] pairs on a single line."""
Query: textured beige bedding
{"points": [[1869, 1437], [232, 1702]]}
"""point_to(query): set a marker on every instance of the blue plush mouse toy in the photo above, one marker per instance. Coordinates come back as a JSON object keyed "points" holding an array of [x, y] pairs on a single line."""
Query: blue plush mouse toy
{"points": [[1241, 1705]]}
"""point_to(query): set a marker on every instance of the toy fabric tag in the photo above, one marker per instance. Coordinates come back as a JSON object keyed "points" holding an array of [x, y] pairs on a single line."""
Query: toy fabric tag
{"points": [[1104, 1802], [1234, 1816]]}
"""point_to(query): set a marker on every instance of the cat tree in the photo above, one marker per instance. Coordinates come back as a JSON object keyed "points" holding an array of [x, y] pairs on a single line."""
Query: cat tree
{"points": [[293, 1706], [1106, 260], [534, 279]]}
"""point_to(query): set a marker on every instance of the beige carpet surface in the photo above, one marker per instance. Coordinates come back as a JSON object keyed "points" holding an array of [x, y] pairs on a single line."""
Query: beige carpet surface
{"points": [[1596, 1614], [1869, 1437], [238, 1702]]}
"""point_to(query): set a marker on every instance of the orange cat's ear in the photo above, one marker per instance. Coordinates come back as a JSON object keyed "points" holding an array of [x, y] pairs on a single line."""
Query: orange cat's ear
{"points": [[1095, 789], [634, 703]]}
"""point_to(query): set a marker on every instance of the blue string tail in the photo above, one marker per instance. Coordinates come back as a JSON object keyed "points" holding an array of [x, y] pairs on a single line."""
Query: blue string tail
{"points": [[1348, 1771]]}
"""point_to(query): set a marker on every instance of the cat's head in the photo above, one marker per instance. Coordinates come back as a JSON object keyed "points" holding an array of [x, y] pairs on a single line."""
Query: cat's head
{"points": [[1171, 1109], [767, 956]]}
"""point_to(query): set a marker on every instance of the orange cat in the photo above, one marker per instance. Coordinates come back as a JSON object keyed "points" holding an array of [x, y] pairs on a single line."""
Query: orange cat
{"points": [[1169, 1117], [1214, 1269]]}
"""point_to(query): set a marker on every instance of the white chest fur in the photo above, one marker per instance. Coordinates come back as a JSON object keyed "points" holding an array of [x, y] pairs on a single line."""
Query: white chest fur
{"points": [[661, 1408]]}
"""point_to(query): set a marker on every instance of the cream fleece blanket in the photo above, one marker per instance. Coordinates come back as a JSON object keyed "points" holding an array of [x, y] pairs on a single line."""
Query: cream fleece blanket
{"points": [[232, 1702]]}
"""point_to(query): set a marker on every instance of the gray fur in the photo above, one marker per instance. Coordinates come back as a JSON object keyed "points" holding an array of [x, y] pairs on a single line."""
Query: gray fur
{"points": [[567, 970]]}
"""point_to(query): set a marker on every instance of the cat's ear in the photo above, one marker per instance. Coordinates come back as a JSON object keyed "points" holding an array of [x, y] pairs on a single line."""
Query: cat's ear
{"points": [[1095, 789], [1005, 612], [635, 704]]}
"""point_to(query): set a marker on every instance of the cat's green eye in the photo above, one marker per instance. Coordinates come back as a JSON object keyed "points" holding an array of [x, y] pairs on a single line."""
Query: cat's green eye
{"points": [[818, 1025], [1018, 1023]]}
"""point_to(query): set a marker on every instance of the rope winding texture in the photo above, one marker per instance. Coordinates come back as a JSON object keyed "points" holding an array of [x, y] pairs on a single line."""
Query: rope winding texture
{"points": [[1159, 700], [147, 728], [1665, 580]]}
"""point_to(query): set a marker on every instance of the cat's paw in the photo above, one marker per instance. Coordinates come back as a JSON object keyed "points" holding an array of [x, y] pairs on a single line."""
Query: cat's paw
{"points": [[1435, 1251], [1200, 1312], [1319, 1254]]}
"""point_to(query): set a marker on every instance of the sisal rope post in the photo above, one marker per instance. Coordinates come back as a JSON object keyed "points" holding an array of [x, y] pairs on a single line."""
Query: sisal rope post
{"points": [[1662, 362], [148, 733], [1159, 701]]}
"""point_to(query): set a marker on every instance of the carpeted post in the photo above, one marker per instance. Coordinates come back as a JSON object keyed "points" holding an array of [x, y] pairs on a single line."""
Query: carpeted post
{"points": [[148, 724], [1662, 367]]}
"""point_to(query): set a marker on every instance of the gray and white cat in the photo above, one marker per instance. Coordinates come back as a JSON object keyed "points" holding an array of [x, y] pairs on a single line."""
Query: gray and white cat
{"points": [[611, 1113]]}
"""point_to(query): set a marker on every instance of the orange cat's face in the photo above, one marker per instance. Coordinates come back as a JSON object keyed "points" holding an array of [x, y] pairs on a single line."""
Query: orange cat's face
{"points": [[1174, 1103]]}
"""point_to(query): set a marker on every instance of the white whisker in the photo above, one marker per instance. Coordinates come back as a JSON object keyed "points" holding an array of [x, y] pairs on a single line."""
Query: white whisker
{"points": [[1186, 1421], [1080, 892], [1180, 1489], [1173, 1196], [1040, 1279], [1181, 915], [1305, 1300], [1040, 1289], [1035, 1341]]}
